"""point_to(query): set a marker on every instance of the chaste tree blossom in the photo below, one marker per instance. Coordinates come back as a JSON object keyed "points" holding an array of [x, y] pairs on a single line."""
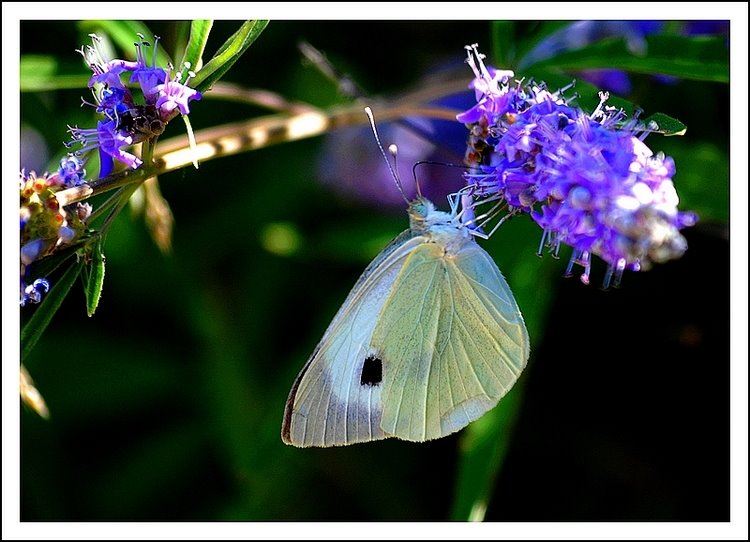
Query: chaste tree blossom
{"points": [[45, 223], [127, 122], [588, 180]]}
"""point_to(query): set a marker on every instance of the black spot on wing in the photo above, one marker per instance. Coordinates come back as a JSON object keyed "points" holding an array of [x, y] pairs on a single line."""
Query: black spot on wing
{"points": [[372, 372]]}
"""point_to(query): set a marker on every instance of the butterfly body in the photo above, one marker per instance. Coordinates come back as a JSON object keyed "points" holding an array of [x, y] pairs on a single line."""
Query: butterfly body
{"points": [[428, 340]]}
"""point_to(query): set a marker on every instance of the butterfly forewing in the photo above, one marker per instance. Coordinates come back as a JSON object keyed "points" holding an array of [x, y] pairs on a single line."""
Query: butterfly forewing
{"points": [[329, 405]]}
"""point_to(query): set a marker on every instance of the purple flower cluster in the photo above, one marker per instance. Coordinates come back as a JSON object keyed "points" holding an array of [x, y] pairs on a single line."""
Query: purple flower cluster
{"points": [[44, 224], [125, 121], [588, 180]]}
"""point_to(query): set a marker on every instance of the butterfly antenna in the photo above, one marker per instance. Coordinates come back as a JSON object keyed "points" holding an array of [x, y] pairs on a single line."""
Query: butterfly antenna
{"points": [[394, 153]]}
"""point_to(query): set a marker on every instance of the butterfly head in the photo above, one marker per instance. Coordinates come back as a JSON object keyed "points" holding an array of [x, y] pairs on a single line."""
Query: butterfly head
{"points": [[424, 216]]}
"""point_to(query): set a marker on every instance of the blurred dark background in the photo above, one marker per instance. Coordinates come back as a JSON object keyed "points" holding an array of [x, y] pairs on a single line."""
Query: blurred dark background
{"points": [[167, 403]]}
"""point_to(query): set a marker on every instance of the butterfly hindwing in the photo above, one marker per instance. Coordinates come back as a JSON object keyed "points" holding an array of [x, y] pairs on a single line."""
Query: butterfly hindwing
{"points": [[447, 367]]}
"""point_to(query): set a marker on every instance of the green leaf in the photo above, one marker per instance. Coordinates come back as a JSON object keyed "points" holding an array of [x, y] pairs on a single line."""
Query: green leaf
{"points": [[43, 72], [541, 31], [181, 36], [704, 58], [483, 448], [228, 54], [503, 42], [47, 265], [93, 277], [43, 315], [125, 34], [702, 178], [199, 31], [665, 125]]}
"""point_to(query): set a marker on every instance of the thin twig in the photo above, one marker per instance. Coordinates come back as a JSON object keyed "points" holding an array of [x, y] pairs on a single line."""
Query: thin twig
{"points": [[237, 137]]}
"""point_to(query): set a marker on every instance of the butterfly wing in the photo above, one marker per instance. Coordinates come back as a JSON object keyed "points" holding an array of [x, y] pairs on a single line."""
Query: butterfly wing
{"points": [[329, 405], [426, 342], [452, 341]]}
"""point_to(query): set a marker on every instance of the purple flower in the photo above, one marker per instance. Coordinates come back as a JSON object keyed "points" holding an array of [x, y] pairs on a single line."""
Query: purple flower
{"points": [[147, 76], [174, 95], [126, 121], [110, 141], [148, 79], [31, 250], [615, 81], [490, 87], [34, 291], [71, 171], [45, 224], [589, 181], [106, 72], [109, 74], [114, 102]]}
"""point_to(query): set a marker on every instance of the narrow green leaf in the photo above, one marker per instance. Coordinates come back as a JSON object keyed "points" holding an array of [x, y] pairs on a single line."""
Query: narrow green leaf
{"points": [[44, 267], [199, 31], [483, 448], [43, 315], [125, 34], [704, 58], [180, 37], [503, 43], [93, 277], [665, 125], [39, 65], [43, 72], [527, 43], [228, 54]]}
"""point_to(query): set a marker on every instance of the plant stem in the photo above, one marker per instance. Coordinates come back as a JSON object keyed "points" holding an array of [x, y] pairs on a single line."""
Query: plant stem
{"points": [[234, 138]]}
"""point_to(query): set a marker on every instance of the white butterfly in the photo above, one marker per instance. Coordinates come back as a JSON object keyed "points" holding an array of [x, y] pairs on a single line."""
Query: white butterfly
{"points": [[429, 339]]}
